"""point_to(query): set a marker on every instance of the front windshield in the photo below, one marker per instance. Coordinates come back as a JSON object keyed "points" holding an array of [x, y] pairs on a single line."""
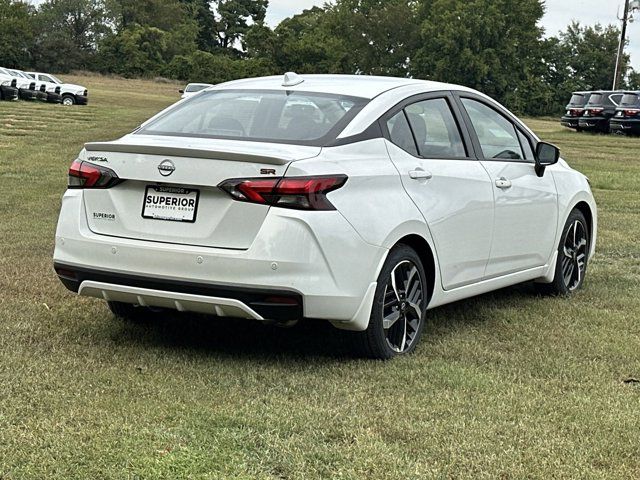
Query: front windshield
{"points": [[16, 73], [55, 79], [301, 118]]}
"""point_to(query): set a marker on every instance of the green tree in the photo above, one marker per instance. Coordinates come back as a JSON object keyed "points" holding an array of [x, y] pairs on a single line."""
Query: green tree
{"points": [[223, 24], [381, 34], [69, 31], [16, 33], [633, 80], [483, 44], [306, 43], [591, 55]]}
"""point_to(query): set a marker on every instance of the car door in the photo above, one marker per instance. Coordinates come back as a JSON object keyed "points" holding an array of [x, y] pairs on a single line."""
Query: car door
{"points": [[450, 188], [526, 205]]}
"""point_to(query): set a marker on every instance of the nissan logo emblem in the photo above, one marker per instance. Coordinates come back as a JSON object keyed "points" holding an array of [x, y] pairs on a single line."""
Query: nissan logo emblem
{"points": [[166, 168]]}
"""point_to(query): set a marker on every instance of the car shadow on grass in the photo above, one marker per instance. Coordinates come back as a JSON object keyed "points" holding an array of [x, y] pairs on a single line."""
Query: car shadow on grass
{"points": [[309, 338]]}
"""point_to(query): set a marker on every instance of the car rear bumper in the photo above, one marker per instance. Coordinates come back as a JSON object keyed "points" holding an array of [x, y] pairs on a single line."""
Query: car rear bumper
{"points": [[570, 122], [222, 300], [317, 256], [9, 93], [593, 123], [626, 126]]}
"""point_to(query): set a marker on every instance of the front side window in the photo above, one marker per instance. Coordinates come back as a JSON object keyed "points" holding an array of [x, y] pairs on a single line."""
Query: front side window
{"points": [[497, 135], [435, 129], [46, 78], [259, 115]]}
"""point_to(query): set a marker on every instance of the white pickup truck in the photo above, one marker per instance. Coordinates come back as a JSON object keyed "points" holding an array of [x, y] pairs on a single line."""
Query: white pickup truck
{"points": [[71, 94], [8, 87], [27, 88]]}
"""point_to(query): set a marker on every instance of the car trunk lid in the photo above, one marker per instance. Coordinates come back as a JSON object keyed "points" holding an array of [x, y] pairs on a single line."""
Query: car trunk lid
{"points": [[159, 169]]}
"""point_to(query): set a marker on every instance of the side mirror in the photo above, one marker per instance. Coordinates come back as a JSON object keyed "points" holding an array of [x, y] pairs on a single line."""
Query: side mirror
{"points": [[546, 155], [181, 91]]}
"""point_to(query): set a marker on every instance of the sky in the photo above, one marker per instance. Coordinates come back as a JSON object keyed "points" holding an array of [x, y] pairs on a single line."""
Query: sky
{"points": [[558, 15]]}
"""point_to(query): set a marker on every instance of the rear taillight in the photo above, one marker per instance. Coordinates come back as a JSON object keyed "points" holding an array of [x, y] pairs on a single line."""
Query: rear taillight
{"points": [[575, 112], [301, 193], [631, 112], [87, 175], [593, 111]]}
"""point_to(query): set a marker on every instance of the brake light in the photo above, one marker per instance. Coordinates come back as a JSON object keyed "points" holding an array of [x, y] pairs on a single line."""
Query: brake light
{"points": [[594, 111], [301, 193], [631, 112], [86, 175], [576, 112]]}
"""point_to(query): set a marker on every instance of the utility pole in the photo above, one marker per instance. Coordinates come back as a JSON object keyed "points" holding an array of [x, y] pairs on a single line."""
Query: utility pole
{"points": [[618, 72], [630, 6]]}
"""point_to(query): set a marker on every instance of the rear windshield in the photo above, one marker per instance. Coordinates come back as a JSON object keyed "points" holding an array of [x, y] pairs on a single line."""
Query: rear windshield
{"points": [[259, 115], [595, 99], [577, 100], [630, 100]]}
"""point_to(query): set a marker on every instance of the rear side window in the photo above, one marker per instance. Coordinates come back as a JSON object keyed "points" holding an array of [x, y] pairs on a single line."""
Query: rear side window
{"points": [[260, 115], [577, 100], [615, 98], [497, 135], [435, 129], [595, 99], [630, 100], [400, 133]]}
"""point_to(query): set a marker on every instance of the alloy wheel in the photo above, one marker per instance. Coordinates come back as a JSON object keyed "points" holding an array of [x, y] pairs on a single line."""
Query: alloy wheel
{"points": [[574, 258], [403, 306]]}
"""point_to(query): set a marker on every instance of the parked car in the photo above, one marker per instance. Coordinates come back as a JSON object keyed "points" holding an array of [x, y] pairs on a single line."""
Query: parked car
{"points": [[574, 110], [8, 87], [627, 117], [45, 91], [193, 88], [70, 93], [361, 200], [599, 110], [26, 86]]}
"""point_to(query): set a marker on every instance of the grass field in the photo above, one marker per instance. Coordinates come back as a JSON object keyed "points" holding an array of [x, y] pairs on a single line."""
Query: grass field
{"points": [[507, 385]]}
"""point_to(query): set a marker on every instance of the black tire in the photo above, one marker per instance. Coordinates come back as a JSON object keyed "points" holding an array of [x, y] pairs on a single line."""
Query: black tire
{"points": [[573, 257], [408, 301], [129, 312], [68, 99]]}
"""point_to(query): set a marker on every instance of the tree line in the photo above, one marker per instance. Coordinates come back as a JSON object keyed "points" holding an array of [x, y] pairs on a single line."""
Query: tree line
{"points": [[495, 46]]}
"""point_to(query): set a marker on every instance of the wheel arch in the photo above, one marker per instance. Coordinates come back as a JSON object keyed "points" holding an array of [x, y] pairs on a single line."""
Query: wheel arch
{"points": [[585, 209], [424, 251]]}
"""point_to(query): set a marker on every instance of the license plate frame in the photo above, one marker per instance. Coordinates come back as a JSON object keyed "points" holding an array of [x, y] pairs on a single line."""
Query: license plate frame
{"points": [[154, 211]]}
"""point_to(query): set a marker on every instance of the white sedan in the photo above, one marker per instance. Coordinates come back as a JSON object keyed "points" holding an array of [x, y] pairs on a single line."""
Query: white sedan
{"points": [[365, 201]]}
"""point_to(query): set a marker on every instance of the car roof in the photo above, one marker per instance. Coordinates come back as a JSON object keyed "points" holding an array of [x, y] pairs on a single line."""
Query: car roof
{"points": [[364, 86]]}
